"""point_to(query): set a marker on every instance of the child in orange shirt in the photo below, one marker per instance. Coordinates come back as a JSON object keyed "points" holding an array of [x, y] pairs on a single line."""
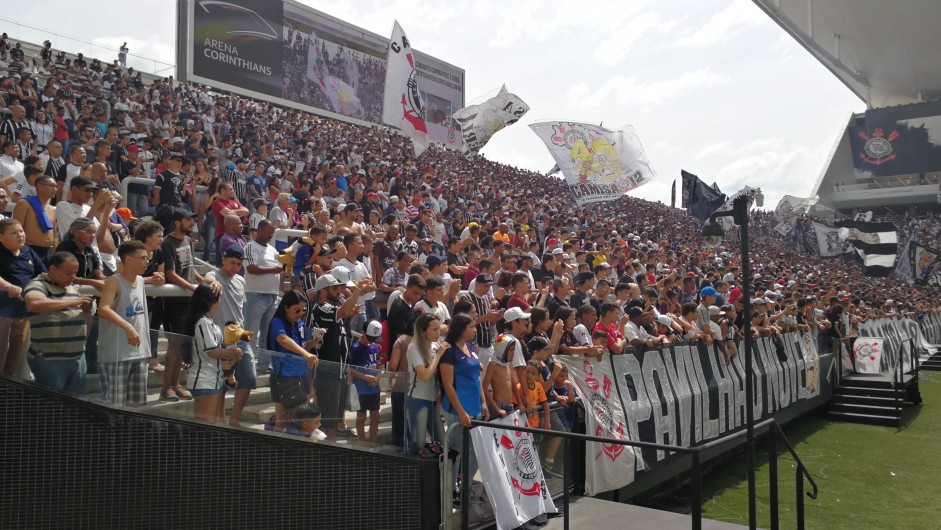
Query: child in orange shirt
{"points": [[537, 396]]}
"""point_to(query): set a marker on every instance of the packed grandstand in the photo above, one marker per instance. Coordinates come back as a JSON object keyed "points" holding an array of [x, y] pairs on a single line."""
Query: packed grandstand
{"points": [[385, 238]]}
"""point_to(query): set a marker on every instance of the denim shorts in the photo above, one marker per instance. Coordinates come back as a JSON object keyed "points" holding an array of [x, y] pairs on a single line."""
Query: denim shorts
{"points": [[200, 392]]}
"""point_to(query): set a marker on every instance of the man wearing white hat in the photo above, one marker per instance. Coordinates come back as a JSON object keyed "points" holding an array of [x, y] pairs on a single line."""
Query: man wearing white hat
{"points": [[517, 326]]}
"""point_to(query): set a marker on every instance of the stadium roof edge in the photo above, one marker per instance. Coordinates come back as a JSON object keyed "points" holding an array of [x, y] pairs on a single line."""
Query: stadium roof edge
{"points": [[884, 52]]}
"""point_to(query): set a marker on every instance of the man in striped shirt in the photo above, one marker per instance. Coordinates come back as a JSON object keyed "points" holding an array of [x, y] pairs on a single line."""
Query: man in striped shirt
{"points": [[57, 321]]}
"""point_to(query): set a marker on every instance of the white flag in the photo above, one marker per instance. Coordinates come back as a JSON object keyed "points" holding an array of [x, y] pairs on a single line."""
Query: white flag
{"points": [[599, 164], [829, 242], [402, 105], [790, 206], [512, 474], [479, 122], [786, 226], [608, 466], [868, 354], [727, 222]]}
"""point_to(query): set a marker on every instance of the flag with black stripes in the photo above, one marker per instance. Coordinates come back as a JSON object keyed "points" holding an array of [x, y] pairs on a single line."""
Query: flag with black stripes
{"points": [[875, 242]]}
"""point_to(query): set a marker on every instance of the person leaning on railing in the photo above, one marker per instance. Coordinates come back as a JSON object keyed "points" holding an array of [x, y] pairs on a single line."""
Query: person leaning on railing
{"points": [[288, 340]]}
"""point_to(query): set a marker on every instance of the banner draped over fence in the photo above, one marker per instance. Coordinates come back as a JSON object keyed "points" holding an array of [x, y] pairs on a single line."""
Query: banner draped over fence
{"points": [[686, 395], [510, 468]]}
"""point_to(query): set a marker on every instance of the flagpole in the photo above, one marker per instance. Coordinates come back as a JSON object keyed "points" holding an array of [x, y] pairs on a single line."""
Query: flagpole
{"points": [[740, 209]]}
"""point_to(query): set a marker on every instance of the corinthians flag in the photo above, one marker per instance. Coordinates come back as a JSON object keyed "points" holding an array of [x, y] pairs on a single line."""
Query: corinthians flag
{"points": [[402, 105], [699, 198], [876, 243]]}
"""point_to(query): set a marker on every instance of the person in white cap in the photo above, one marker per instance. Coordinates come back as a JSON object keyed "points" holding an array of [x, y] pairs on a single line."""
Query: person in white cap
{"points": [[329, 315], [518, 325], [364, 370]]}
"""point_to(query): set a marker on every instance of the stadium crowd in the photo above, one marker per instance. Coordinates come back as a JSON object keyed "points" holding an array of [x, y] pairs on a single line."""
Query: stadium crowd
{"points": [[464, 278]]}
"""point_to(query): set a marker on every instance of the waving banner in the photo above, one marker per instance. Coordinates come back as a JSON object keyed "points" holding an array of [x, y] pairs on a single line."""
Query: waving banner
{"points": [[610, 466], [699, 198], [599, 164], [479, 122], [403, 106], [829, 243], [924, 262], [512, 474], [789, 206]]}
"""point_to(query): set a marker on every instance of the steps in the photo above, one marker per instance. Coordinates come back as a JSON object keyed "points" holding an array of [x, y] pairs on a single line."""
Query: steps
{"points": [[932, 364], [873, 400]]}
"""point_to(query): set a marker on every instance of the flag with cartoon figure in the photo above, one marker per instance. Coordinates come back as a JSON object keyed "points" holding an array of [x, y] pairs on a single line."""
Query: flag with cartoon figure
{"points": [[402, 105], [479, 122], [599, 164]]}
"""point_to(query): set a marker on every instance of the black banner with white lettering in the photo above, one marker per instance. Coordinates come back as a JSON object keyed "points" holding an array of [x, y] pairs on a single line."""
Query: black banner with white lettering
{"points": [[687, 395]]}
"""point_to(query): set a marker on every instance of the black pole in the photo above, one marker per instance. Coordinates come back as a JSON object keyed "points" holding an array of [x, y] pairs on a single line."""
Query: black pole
{"points": [[773, 475], [799, 480], [695, 482], [740, 207], [566, 473]]}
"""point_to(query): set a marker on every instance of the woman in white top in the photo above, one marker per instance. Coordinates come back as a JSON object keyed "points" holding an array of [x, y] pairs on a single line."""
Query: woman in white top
{"points": [[422, 393], [205, 356]]}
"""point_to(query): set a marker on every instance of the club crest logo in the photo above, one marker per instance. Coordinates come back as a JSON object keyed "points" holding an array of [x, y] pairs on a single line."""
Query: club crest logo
{"points": [[866, 351], [525, 475], [878, 148]]}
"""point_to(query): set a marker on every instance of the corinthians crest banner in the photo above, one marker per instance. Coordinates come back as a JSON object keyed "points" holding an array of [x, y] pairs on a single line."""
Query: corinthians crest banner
{"points": [[924, 262], [687, 395], [479, 122], [512, 474], [403, 106], [610, 466], [898, 140], [599, 164]]}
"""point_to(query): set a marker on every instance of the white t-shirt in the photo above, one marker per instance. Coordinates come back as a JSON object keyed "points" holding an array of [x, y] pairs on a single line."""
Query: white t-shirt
{"points": [[358, 271], [205, 372], [427, 390], [263, 256], [441, 311]]}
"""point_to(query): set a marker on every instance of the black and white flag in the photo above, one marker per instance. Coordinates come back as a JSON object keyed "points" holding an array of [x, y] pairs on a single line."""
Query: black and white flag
{"points": [[876, 243]]}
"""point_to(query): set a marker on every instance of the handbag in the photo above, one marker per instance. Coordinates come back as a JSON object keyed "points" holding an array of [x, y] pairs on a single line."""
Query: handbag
{"points": [[292, 392]]}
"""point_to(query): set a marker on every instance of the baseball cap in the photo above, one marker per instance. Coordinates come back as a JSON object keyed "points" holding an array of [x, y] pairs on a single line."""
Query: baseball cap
{"points": [[342, 275], [327, 280], [538, 342], [234, 251], [83, 182], [557, 252], [484, 278], [692, 274], [634, 311], [178, 214], [714, 310], [373, 331], [515, 313], [708, 291], [126, 214]]}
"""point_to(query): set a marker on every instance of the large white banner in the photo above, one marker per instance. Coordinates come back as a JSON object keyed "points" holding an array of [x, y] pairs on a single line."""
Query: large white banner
{"points": [[609, 466], [512, 474], [479, 122], [599, 164], [402, 105]]}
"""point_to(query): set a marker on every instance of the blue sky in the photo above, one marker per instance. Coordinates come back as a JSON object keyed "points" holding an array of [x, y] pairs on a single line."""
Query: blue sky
{"points": [[712, 86]]}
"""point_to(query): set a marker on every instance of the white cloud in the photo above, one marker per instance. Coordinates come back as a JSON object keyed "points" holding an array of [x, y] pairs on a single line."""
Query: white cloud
{"points": [[711, 150], [630, 91], [738, 16], [621, 42]]}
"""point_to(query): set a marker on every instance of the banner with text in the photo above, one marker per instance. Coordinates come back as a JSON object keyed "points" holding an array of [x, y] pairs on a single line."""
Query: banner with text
{"points": [[687, 395], [599, 164], [480, 121]]}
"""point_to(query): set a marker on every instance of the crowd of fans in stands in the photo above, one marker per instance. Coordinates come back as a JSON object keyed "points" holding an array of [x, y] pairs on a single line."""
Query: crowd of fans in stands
{"points": [[466, 277]]}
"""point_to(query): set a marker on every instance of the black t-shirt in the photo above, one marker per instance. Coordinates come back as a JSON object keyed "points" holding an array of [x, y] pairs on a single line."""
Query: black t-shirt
{"points": [[578, 299], [171, 186], [178, 257], [88, 259], [336, 344], [401, 319], [553, 305]]}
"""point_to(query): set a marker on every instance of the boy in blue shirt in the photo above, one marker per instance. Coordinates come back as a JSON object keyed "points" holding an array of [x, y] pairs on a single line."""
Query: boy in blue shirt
{"points": [[364, 370]]}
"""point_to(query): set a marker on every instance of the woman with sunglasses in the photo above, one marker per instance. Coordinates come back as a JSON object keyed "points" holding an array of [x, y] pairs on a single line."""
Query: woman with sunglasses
{"points": [[290, 360]]}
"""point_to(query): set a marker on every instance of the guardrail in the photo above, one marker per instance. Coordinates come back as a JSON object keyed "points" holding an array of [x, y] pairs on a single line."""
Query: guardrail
{"points": [[695, 483]]}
